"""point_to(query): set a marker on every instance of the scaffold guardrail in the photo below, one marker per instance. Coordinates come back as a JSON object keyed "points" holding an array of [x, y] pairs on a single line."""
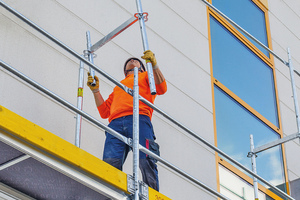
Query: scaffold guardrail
{"points": [[128, 141]]}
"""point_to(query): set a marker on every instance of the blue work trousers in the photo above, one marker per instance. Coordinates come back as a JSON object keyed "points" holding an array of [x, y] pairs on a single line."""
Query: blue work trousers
{"points": [[116, 151]]}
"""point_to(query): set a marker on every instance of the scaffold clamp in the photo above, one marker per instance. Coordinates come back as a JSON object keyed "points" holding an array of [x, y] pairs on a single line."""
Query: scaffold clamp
{"points": [[140, 15], [250, 154], [86, 54], [144, 193], [143, 188]]}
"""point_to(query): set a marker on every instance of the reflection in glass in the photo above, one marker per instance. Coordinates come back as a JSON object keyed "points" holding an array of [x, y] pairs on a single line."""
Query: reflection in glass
{"points": [[234, 125], [248, 16], [241, 71]]}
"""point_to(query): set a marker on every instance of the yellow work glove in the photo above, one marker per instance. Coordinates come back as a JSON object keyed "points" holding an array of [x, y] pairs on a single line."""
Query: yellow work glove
{"points": [[91, 80], [150, 57]]}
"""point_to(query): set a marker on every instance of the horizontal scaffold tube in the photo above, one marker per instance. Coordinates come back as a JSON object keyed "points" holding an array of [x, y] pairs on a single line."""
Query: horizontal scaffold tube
{"points": [[62, 101], [181, 172], [124, 139], [129, 91]]}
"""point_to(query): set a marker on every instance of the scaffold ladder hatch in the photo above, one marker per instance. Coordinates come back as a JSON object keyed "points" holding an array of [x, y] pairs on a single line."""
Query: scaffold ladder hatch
{"points": [[137, 189]]}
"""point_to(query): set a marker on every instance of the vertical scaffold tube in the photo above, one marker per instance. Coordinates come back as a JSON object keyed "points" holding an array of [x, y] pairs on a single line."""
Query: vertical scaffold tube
{"points": [[90, 55], [79, 104], [146, 46], [294, 89], [136, 134], [253, 162]]}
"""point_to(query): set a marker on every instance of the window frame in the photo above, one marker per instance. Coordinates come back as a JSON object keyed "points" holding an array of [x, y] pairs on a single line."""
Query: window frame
{"points": [[270, 62], [247, 178]]}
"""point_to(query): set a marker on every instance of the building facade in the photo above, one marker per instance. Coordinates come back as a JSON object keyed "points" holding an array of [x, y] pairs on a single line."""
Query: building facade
{"points": [[221, 84]]}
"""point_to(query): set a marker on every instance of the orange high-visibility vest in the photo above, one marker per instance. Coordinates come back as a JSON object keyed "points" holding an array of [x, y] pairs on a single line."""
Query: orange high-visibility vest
{"points": [[120, 103]]}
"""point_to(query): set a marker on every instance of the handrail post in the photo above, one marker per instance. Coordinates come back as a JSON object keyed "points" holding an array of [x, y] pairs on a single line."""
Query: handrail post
{"points": [[253, 162], [135, 136], [146, 46], [290, 65], [90, 55], [79, 104]]}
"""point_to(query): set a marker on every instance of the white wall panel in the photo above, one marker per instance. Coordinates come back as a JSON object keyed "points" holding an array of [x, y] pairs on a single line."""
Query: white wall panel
{"points": [[177, 34]]}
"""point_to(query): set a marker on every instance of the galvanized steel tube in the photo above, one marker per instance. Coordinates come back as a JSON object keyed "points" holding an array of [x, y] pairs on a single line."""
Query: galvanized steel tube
{"points": [[129, 91], [63, 102], [128, 141], [135, 136], [146, 46], [294, 89], [90, 55], [198, 137], [181, 172], [79, 104], [113, 34], [253, 162]]}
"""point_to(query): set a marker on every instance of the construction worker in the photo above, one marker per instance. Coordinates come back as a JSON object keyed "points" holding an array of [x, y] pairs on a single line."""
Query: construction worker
{"points": [[118, 108]]}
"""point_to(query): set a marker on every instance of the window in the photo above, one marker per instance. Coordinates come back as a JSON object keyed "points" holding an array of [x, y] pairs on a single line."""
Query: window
{"points": [[234, 126], [242, 71], [245, 98], [247, 15], [234, 187]]}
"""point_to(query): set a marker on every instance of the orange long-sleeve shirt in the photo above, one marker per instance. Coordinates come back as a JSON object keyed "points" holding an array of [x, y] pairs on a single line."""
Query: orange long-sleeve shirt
{"points": [[120, 104]]}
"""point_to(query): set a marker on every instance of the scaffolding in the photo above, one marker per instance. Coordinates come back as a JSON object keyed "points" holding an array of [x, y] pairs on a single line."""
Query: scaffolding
{"points": [[135, 186]]}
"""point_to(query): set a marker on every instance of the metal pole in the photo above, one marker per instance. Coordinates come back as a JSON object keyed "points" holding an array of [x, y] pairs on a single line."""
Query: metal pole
{"points": [[136, 133], [113, 34], [64, 102], [276, 143], [90, 55], [253, 162], [146, 47], [128, 141], [181, 172], [211, 146], [294, 89], [129, 91], [79, 104]]}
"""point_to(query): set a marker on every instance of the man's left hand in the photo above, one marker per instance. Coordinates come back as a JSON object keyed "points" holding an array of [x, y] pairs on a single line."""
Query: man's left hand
{"points": [[149, 56]]}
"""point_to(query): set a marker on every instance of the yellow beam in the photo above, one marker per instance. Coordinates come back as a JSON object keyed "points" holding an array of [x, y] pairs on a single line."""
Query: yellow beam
{"points": [[47, 141], [27, 131], [43, 139], [154, 195]]}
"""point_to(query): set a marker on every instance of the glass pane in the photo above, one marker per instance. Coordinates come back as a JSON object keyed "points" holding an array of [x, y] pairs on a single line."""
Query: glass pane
{"points": [[240, 70], [251, 19], [234, 187], [234, 125]]}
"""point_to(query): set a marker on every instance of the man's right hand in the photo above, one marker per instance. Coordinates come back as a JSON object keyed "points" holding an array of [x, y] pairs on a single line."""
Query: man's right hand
{"points": [[94, 88]]}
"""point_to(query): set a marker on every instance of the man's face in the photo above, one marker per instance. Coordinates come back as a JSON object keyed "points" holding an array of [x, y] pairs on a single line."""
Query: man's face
{"points": [[131, 64]]}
